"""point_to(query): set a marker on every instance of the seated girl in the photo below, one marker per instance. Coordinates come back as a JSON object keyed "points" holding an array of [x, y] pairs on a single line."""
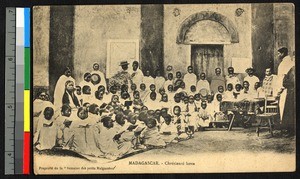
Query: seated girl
{"points": [[204, 117], [192, 117], [152, 102], [83, 138], [137, 102], [114, 101], [46, 132], [180, 122], [87, 96], [228, 94], [133, 88], [164, 102], [143, 91], [168, 130], [218, 114], [151, 137], [170, 92], [107, 140], [237, 91]]}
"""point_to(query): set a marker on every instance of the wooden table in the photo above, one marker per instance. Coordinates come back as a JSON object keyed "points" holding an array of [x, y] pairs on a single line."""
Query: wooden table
{"points": [[246, 106]]}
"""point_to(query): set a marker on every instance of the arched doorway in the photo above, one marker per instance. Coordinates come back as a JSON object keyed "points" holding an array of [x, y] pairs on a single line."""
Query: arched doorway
{"points": [[207, 32]]}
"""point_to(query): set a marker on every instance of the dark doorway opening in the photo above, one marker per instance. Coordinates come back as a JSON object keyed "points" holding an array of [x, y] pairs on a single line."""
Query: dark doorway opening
{"points": [[206, 58]]}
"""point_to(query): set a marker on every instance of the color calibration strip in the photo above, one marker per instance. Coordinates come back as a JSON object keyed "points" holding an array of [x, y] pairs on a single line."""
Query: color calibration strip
{"points": [[19, 119], [26, 146], [17, 91]]}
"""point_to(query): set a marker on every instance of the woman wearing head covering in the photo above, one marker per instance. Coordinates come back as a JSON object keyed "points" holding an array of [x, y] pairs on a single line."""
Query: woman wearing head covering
{"points": [[60, 87], [69, 97]]}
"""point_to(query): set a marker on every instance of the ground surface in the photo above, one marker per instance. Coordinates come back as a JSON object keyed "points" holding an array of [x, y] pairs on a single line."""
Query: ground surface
{"points": [[237, 150]]}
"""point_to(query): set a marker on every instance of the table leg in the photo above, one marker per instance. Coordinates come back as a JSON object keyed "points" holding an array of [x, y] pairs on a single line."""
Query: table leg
{"points": [[231, 122]]}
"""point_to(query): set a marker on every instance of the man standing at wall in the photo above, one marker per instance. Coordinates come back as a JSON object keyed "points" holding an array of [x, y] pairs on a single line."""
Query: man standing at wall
{"points": [[286, 87]]}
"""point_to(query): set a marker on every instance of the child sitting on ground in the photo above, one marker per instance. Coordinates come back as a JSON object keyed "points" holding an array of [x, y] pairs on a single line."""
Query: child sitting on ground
{"points": [[107, 138], [143, 91], [137, 102], [151, 137], [168, 130], [204, 116], [83, 139], [180, 122], [46, 133], [63, 122]]}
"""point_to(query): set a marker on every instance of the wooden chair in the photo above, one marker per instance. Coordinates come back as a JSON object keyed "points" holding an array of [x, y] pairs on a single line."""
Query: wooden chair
{"points": [[268, 115]]}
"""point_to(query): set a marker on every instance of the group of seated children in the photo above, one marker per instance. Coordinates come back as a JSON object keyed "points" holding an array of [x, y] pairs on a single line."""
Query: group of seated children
{"points": [[111, 123]]}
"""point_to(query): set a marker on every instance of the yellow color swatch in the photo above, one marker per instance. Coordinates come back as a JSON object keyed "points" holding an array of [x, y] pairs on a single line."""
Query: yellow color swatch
{"points": [[26, 110]]}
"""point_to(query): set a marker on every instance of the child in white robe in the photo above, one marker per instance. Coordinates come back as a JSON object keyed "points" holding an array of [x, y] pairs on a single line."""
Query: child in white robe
{"points": [[40, 103], [228, 94], [164, 102], [237, 92], [204, 117], [203, 83], [190, 78], [148, 79], [143, 91], [39, 107], [84, 135], [63, 122], [218, 114], [258, 91], [159, 81], [152, 102], [197, 100], [170, 92], [151, 137], [133, 88], [168, 130], [96, 70], [191, 117], [115, 101], [86, 95], [193, 90], [108, 144], [180, 122], [137, 103], [220, 91], [169, 81], [47, 131]]}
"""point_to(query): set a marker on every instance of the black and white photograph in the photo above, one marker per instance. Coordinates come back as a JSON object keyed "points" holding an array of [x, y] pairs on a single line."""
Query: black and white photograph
{"points": [[164, 88]]}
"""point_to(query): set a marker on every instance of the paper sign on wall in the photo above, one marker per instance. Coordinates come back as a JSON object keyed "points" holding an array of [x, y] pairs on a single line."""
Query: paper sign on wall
{"points": [[241, 64]]}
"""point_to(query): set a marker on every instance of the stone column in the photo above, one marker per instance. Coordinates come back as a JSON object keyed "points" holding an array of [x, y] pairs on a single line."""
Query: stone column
{"points": [[262, 37], [61, 47], [151, 43]]}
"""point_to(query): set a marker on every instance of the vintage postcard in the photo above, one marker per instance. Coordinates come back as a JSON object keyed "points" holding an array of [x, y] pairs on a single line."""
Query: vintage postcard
{"points": [[177, 88]]}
